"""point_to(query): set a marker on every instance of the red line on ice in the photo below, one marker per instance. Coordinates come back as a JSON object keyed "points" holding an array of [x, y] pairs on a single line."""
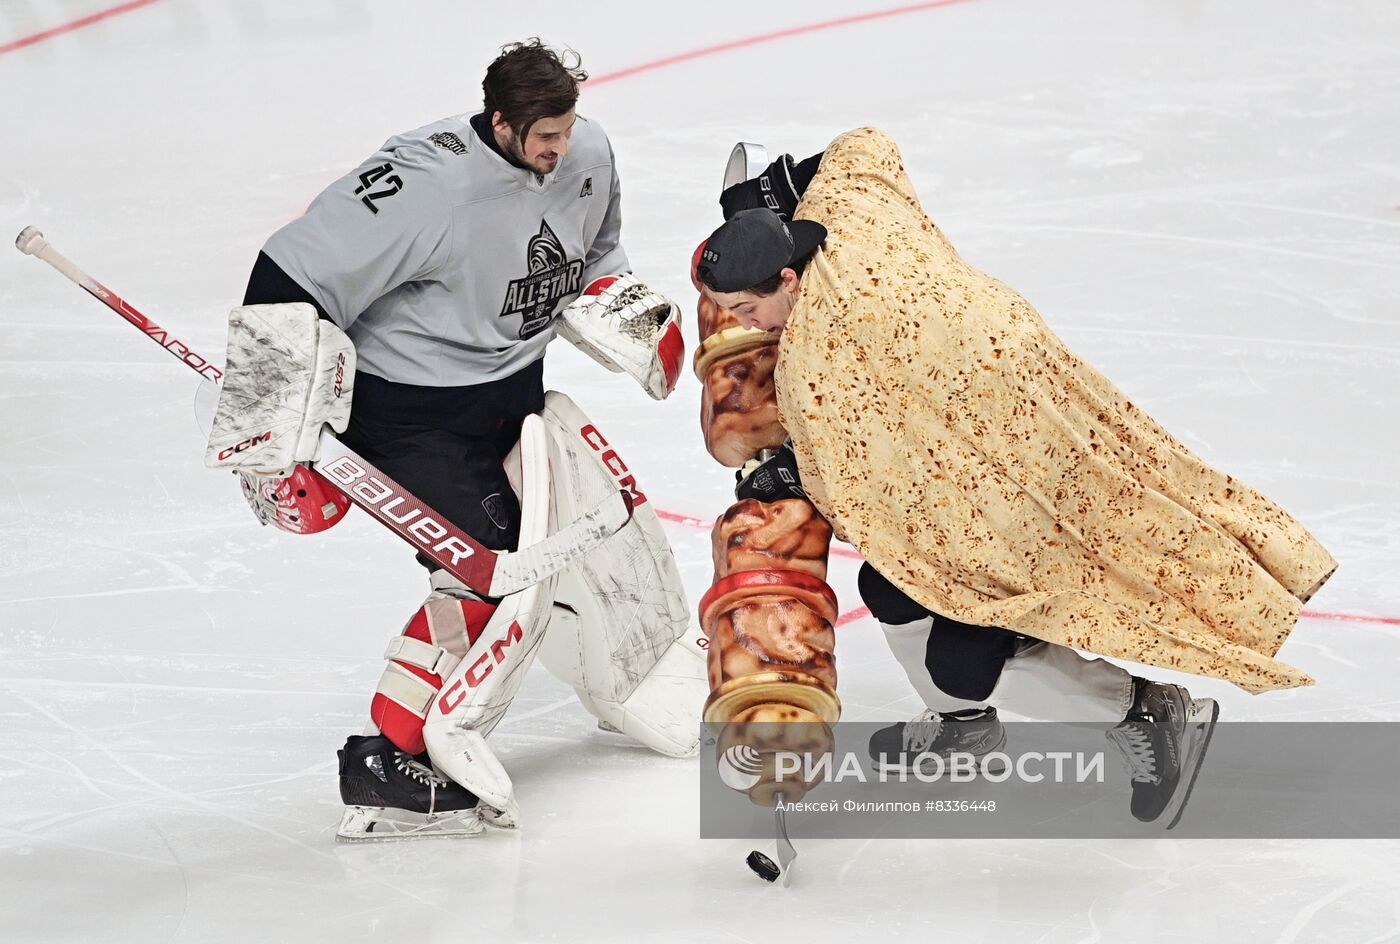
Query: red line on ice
{"points": [[769, 37], [851, 616], [1351, 617], [79, 23]]}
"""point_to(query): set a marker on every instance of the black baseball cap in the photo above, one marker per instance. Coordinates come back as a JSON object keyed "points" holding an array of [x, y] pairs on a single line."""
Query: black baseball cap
{"points": [[755, 245]]}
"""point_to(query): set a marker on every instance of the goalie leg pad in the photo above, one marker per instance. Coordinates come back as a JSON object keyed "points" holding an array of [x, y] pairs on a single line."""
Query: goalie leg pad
{"points": [[477, 693], [622, 634], [431, 647]]}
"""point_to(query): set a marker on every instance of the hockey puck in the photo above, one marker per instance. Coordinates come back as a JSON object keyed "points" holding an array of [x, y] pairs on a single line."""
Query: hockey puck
{"points": [[764, 867]]}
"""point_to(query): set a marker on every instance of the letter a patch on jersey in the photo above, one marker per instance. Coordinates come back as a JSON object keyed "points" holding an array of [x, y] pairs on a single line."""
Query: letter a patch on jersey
{"points": [[587, 189]]}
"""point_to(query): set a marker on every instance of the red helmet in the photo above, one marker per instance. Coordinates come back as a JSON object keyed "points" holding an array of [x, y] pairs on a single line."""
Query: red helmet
{"points": [[302, 503], [695, 264]]}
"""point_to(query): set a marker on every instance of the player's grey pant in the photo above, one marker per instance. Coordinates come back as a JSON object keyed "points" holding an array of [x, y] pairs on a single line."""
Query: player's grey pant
{"points": [[1041, 681], [955, 666]]}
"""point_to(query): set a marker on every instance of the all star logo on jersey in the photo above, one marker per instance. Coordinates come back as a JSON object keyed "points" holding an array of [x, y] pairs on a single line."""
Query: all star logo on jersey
{"points": [[552, 276]]}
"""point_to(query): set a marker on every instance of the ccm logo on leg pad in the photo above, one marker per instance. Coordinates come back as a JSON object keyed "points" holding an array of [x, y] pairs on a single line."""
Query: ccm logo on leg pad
{"points": [[613, 463], [479, 670]]}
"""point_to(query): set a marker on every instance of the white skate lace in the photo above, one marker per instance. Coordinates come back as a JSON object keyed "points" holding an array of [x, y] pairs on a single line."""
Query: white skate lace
{"points": [[920, 733], [1135, 749], [423, 774]]}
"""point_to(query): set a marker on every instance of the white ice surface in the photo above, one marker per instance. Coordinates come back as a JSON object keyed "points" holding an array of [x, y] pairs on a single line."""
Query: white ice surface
{"points": [[1203, 198]]}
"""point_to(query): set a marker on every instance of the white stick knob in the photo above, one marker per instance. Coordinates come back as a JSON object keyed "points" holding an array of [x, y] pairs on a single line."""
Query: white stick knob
{"points": [[30, 241]]}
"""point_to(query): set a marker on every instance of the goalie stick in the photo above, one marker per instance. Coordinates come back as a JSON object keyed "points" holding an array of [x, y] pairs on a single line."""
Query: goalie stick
{"points": [[764, 867], [486, 571]]}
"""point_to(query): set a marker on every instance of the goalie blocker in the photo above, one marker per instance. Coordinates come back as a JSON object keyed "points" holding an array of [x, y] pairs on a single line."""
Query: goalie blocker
{"points": [[289, 373], [272, 408]]}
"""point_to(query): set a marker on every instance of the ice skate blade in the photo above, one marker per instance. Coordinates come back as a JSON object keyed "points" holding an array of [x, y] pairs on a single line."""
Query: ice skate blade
{"points": [[1201, 721], [380, 824]]}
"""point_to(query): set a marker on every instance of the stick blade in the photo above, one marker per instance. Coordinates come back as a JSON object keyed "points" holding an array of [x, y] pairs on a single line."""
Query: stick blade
{"points": [[787, 853]]}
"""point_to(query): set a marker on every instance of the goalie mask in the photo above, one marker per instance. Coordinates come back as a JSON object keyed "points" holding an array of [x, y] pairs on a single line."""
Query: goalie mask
{"points": [[302, 503]]}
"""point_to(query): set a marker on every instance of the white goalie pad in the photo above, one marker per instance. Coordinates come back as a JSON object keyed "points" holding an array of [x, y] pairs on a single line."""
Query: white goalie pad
{"points": [[618, 626], [621, 633], [289, 373], [475, 697]]}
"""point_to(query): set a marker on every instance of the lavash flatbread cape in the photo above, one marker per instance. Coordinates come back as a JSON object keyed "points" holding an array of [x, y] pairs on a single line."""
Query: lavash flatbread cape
{"points": [[947, 433]]}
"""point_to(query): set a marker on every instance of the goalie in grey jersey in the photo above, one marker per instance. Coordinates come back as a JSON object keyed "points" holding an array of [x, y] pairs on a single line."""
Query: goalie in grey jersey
{"points": [[428, 282]]}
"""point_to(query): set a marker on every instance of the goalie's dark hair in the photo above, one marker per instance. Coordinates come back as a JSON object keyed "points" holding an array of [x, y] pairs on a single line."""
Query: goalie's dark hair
{"points": [[529, 81]]}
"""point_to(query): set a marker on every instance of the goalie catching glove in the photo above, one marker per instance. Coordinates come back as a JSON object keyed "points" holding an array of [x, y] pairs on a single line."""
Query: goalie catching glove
{"points": [[627, 327]]}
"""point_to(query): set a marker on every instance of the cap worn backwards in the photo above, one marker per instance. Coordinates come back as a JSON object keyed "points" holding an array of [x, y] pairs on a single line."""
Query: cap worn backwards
{"points": [[755, 245]]}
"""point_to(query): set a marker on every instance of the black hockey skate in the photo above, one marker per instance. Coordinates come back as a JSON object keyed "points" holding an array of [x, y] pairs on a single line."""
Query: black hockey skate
{"points": [[974, 731], [392, 795], [1163, 742]]}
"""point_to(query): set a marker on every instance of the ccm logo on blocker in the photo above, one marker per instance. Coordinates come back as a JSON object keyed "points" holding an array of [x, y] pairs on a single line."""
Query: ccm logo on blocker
{"points": [[246, 444]]}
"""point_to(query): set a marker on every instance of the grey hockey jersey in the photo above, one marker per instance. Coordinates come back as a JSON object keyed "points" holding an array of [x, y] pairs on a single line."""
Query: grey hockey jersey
{"points": [[444, 262]]}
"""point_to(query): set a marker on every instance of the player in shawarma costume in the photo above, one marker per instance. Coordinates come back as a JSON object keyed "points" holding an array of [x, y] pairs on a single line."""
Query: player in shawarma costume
{"points": [[1012, 504]]}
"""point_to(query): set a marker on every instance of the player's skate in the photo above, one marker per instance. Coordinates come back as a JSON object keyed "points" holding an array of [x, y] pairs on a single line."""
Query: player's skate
{"points": [[389, 794], [1163, 741], [975, 731]]}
